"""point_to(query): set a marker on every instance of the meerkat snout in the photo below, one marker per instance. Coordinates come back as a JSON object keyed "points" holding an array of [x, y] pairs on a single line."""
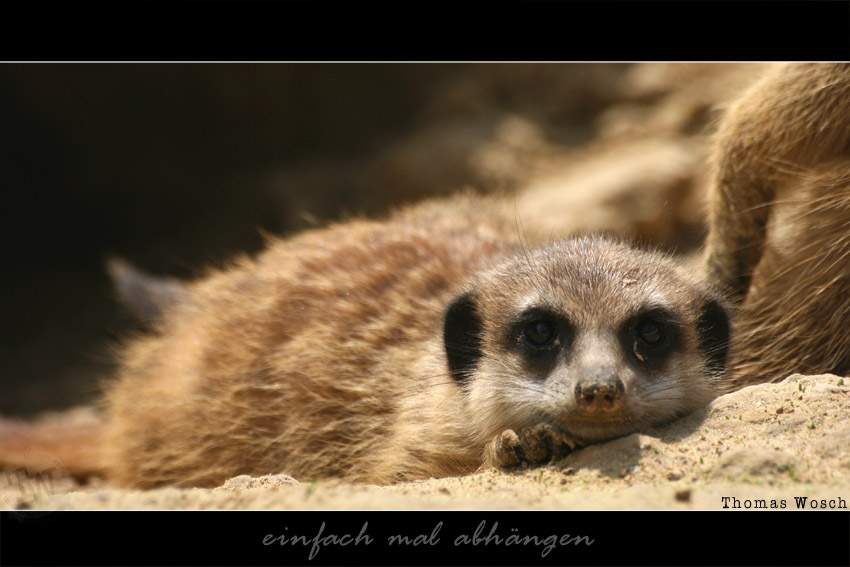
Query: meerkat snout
{"points": [[599, 390]]}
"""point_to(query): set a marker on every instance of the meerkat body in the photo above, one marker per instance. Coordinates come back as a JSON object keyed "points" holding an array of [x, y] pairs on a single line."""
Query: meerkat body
{"points": [[779, 240], [304, 360], [381, 351]]}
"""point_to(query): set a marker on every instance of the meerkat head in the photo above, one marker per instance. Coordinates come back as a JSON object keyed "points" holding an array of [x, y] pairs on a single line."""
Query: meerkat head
{"points": [[588, 335]]}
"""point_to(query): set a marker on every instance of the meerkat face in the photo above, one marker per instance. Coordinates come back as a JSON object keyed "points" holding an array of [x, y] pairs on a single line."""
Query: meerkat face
{"points": [[590, 336]]}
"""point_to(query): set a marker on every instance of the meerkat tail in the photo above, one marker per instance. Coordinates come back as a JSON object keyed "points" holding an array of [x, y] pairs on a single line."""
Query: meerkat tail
{"points": [[36, 446]]}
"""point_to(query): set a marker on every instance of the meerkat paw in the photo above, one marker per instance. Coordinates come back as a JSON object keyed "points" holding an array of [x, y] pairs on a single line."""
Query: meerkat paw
{"points": [[532, 446]]}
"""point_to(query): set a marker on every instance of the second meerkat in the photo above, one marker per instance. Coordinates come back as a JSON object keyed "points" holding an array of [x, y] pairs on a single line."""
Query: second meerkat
{"points": [[779, 240], [428, 344]]}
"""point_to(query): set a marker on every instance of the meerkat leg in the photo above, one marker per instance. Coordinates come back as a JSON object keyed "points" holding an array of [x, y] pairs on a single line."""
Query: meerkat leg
{"points": [[532, 446], [796, 317], [790, 120], [779, 220]]}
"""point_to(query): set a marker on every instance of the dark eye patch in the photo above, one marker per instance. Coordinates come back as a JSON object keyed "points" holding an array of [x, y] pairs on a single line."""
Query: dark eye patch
{"points": [[651, 335], [538, 332]]}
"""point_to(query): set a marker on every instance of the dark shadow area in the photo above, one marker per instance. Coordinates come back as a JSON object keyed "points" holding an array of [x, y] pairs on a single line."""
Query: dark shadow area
{"points": [[174, 167]]}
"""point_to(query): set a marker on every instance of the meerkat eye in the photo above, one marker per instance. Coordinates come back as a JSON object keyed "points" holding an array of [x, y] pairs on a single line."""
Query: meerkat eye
{"points": [[650, 332], [651, 336], [541, 333]]}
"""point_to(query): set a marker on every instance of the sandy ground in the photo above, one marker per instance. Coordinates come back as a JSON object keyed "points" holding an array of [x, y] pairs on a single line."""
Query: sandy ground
{"points": [[767, 445]]}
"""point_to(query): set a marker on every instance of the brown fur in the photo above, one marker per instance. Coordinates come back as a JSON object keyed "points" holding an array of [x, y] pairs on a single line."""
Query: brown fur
{"points": [[779, 239], [75, 445], [325, 355], [298, 361]]}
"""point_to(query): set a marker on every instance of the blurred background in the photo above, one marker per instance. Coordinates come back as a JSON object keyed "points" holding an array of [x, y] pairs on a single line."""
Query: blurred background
{"points": [[178, 166]]}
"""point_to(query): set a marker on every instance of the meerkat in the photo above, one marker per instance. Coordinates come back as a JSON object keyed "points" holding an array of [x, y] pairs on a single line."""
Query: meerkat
{"points": [[436, 342], [779, 218], [429, 344]]}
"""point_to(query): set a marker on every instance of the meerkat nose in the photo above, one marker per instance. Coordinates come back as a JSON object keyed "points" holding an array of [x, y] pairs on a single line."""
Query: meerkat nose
{"points": [[600, 390]]}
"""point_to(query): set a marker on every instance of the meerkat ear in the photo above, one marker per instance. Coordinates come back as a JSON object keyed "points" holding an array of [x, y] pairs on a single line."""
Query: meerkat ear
{"points": [[146, 296], [713, 330], [462, 336]]}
